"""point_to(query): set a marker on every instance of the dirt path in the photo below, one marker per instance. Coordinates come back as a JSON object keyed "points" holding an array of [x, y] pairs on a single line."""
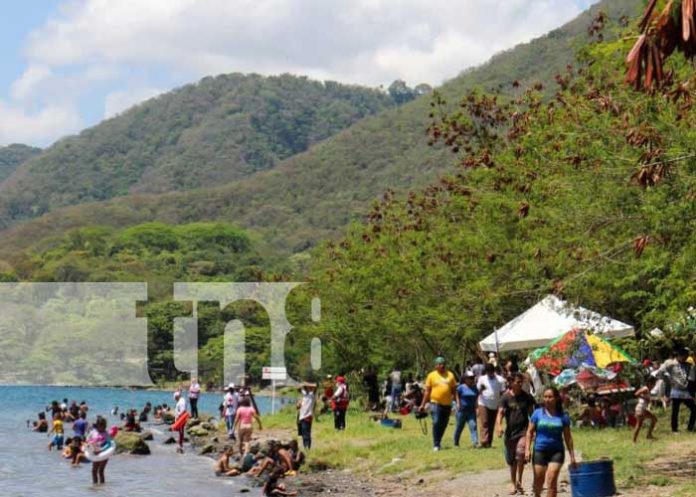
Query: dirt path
{"points": [[677, 469]]}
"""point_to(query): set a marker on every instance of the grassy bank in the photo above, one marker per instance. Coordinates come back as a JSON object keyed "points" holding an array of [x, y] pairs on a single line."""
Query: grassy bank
{"points": [[368, 448]]}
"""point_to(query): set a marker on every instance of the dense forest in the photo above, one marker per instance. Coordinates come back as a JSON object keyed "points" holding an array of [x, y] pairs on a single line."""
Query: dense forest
{"points": [[160, 255], [313, 195], [221, 129], [589, 196], [13, 156]]}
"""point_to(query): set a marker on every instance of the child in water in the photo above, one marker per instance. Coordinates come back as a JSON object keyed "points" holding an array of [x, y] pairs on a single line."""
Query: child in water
{"points": [[99, 438], [41, 425], [58, 432]]}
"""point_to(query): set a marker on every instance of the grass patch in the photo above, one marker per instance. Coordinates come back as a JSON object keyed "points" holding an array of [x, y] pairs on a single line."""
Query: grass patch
{"points": [[367, 447]]}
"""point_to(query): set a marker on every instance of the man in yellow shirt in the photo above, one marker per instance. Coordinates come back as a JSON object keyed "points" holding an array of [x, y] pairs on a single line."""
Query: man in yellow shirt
{"points": [[440, 386]]}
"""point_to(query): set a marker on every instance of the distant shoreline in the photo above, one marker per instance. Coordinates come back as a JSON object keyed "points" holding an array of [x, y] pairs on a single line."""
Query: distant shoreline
{"points": [[257, 393]]}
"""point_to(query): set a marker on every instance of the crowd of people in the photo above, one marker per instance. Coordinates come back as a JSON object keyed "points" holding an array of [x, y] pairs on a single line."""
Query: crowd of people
{"points": [[535, 425], [88, 440], [488, 399]]}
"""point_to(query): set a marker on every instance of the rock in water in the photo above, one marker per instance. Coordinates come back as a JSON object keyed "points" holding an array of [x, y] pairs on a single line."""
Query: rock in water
{"points": [[209, 426], [207, 449], [198, 431], [147, 436], [131, 443], [169, 441]]}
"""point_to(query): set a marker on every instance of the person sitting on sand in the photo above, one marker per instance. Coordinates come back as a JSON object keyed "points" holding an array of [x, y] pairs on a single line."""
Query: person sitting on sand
{"points": [[249, 459], [58, 431], [41, 425], [284, 459], [277, 457], [297, 457], [592, 415], [643, 409], [273, 487], [222, 465]]}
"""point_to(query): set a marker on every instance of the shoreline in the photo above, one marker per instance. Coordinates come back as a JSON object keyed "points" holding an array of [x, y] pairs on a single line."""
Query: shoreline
{"points": [[257, 393]]}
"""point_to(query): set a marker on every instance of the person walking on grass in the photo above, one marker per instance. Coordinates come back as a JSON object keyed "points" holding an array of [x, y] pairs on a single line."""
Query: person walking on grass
{"points": [[516, 406], [548, 427], [440, 387], [680, 373], [643, 409], [490, 387], [339, 403], [305, 416], [466, 401]]}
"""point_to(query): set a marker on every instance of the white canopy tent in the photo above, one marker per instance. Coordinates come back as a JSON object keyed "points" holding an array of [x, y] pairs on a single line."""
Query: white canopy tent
{"points": [[548, 319]]}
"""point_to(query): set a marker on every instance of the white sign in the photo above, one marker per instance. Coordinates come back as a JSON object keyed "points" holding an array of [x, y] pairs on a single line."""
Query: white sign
{"points": [[274, 373]]}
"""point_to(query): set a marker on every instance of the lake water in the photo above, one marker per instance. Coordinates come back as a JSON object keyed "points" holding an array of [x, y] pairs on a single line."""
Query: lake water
{"points": [[28, 469]]}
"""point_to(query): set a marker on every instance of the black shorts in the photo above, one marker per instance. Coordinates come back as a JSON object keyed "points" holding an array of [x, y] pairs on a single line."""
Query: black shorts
{"points": [[544, 457]]}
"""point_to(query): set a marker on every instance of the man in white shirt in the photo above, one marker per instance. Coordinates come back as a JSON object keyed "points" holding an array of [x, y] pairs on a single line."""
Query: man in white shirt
{"points": [[230, 403], [180, 410], [491, 387], [305, 417]]}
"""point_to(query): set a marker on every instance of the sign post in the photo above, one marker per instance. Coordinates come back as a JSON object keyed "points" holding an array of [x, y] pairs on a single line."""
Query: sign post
{"points": [[273, 374]]}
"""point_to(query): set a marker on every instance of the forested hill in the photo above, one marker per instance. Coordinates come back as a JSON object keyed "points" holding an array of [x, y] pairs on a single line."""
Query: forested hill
{"points": [[221, 129], [314, 195], [12, 156]]}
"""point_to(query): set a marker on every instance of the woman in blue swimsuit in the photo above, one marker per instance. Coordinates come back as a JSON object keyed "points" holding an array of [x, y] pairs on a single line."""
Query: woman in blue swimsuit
{"points": [[549, 426]]}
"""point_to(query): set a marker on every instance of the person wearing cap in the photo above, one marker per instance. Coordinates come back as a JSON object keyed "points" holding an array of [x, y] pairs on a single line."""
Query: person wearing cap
{"points": [[180, 410], [440, 387], [681, 374], [339, 403], [466, 397], [230, 404], [306, 407], [326, 397]]}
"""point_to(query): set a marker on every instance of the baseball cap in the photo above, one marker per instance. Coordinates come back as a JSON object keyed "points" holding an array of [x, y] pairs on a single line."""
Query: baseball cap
{"points": [[439, 360]]}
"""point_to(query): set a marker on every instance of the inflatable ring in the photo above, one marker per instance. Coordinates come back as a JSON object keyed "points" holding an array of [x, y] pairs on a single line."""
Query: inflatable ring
{"points": [[108, 451], [181, 422]]}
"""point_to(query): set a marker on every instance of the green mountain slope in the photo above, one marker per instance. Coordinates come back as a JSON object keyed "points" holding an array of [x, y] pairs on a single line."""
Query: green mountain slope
{"points": [[13, 156], [218, 130], [313, 195]]}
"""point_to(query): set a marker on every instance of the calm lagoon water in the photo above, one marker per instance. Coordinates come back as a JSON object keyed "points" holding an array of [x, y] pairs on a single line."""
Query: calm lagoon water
{"points": [[28, 469]]}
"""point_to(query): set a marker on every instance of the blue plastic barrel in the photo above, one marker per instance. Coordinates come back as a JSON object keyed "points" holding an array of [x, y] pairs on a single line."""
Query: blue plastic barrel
{"points": [[593, 479]]}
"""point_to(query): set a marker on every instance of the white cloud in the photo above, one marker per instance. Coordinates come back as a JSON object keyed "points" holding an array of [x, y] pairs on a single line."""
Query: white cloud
{"points": [[29, 81], [118, 101], [45, 126], [161, 43]]}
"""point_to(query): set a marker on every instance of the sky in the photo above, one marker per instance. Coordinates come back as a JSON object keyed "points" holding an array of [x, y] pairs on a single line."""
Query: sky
{"points": [[68, 64]]}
